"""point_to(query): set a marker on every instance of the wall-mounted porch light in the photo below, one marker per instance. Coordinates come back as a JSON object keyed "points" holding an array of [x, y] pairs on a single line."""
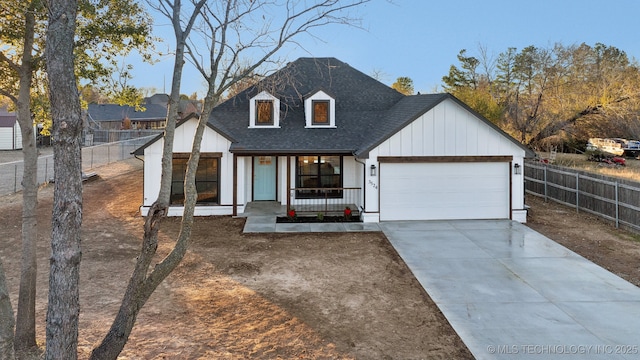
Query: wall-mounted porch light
{"points": [[372, 170], [516, 169]]}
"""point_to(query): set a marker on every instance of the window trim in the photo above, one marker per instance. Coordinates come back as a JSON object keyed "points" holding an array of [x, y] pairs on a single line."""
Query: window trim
{"points": [[253, 111], [310, 100], [217, 156]]}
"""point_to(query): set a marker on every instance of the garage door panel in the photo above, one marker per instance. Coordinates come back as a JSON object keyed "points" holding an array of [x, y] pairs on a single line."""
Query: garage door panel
{"points": [[425, 191]]}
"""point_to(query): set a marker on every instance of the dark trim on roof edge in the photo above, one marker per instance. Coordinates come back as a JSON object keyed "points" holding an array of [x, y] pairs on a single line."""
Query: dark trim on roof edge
{"points": [[317, 90], [140, 151], [445, 159], [528, 153], [364, 153], [241, 152]]}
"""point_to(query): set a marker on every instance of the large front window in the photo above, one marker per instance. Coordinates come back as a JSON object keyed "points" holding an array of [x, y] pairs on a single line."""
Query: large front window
{"points": [[207, 179], [321, 175]]}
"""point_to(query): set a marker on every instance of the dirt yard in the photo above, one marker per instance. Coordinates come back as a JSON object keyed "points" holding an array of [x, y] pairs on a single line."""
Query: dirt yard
{"points": [[303, 296]]}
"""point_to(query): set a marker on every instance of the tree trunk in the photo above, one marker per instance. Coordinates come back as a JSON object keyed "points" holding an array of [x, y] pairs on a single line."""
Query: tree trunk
{"points": [[140, 285], [554, 127], [6, 319], [64, 308], [140, 288], [25, 336]]}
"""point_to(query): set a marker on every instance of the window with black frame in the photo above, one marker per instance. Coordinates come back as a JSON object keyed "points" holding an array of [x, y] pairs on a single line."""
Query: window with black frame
{"points": [[321, 175], [207, 180]]}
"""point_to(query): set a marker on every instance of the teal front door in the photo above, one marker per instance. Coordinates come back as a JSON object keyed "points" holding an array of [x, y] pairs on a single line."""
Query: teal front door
{"points": [[264, 178]]}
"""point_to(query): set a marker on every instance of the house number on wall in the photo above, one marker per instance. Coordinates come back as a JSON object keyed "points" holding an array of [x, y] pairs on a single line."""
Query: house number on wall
{"points": [[373, 184]]}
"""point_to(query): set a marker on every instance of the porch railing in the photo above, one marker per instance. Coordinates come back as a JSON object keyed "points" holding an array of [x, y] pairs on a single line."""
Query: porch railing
{"points": [[324, 200]]}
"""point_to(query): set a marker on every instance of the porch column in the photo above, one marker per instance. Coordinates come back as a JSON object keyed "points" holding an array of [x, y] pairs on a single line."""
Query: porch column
{"points": [[288, 182], [235, 185]]}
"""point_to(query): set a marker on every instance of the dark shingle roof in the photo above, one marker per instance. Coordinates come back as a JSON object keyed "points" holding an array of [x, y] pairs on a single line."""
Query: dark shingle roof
{"points": [[113, 112], [361, 103], [367, 111], [7, 120]]}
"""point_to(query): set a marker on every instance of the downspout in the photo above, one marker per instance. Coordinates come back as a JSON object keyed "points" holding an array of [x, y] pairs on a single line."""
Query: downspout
{"points": [[142, 202]]}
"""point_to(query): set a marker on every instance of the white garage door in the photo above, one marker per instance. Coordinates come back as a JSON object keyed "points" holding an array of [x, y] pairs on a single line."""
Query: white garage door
{"points": [[443, 191]]}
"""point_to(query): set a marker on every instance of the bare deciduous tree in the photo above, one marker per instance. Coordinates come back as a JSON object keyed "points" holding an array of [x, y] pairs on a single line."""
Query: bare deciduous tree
{"points": [[142, 282], [543, 92], [25, 335], [237, 46], [22, 37]]}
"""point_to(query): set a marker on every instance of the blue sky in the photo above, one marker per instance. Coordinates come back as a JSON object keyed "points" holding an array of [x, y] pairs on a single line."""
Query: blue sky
{"points": [[421, 38]]}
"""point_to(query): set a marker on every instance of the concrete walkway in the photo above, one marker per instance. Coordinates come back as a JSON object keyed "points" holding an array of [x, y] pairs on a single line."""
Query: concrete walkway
{"points": [[511, 293]]}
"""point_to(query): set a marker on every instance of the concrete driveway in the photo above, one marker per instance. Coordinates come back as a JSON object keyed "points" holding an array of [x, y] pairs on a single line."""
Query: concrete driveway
{"points": [[510, 292]]}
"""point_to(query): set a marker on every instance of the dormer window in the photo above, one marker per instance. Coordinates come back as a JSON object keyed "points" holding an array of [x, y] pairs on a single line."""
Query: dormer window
{"points": [[264, 111], [320, 110]]}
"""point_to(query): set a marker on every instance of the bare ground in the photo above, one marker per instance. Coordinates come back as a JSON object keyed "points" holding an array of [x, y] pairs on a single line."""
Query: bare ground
{"points": [[235, 296], [285, 296]]}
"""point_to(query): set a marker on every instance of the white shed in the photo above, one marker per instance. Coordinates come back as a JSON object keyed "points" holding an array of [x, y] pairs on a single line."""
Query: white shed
{"points": [[10, 135]]}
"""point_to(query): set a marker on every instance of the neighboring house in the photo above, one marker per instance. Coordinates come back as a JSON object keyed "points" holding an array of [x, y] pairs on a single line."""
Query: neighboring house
{"points": [[114, 117], [185, 107], [119, 117], [10, 134], [320, 131]]}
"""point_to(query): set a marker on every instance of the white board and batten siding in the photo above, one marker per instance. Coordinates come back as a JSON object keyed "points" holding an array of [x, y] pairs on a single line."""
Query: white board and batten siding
{"points": [[478, 188], [212, 142]]}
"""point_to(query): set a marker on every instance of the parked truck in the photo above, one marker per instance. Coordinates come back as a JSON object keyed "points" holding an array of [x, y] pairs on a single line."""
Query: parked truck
{"points": [[615, 146]]}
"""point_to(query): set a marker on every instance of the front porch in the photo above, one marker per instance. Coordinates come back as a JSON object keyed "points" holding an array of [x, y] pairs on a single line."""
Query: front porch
{"points": [[261, 218], [311, 185]]}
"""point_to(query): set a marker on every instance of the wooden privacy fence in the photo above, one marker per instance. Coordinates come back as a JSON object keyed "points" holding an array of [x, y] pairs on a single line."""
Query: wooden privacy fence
{"points": [[614, 199]]}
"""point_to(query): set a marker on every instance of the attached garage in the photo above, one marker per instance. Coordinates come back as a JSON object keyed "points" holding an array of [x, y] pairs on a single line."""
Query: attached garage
{"points": [[444, 162], [445, 188]]}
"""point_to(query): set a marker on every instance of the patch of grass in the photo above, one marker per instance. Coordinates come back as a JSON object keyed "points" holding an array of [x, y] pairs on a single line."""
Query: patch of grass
{"points": [[629, 236], [579, 161]]}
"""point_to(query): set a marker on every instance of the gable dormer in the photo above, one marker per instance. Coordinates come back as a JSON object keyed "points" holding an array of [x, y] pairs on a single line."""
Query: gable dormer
{"points": [[320, 110], [264, 111]]}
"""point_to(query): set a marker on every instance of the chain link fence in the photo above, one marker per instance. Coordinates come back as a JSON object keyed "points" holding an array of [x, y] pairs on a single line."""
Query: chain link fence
{"points": [[92, 156]]}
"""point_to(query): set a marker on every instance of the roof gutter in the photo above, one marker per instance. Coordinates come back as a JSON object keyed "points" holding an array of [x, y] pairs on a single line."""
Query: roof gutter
{"points": [[276, 152]]}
